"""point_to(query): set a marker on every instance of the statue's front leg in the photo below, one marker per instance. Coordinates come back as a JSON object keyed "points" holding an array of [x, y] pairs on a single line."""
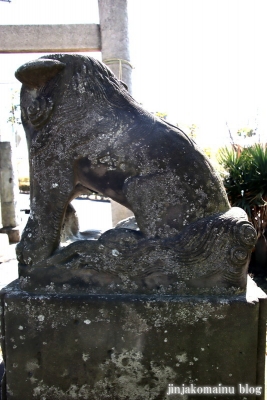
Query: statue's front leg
{"points": [[41, 236]]}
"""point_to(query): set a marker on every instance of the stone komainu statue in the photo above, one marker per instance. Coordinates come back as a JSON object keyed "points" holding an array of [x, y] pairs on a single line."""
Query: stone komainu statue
{"points": [[85, 132]]}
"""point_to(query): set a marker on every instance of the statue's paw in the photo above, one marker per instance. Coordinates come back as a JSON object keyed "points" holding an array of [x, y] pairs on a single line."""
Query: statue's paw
{"points": [[23, 253], [32, 252]]}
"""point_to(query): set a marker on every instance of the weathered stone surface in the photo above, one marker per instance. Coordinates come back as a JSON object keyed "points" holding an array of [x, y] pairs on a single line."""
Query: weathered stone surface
{"points": [[85, 132], [62, 347], [49, 38], [199, 260]]}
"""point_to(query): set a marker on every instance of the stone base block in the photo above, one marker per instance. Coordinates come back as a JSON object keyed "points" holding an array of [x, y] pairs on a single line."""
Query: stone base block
{"points": [[118, 347], [13, 233]]}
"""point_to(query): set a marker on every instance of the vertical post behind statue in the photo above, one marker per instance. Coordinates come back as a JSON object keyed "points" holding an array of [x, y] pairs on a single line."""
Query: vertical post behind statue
{"points": [[9, 192], [113, 17]]}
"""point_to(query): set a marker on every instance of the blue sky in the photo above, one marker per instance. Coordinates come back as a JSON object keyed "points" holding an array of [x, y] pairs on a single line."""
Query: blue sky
{"points": [[202, 62]]}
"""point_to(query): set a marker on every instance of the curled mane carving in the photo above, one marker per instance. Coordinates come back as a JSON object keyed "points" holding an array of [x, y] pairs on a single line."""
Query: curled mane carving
{"points": [[96, 78]]}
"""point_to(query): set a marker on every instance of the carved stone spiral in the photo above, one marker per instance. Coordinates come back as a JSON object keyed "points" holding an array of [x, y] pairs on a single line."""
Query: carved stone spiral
{"points": [[39, 111], [239, 255], [248, 234]]}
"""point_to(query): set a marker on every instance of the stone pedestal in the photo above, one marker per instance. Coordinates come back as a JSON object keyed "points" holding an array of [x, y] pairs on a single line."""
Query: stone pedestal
{"points": [[102, 347]]}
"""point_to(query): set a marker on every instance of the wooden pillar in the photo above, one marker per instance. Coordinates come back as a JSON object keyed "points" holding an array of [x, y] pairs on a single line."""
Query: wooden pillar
{"points": [[113, 17]]}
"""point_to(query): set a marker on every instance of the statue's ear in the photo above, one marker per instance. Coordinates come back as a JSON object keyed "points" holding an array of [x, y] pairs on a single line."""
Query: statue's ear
{"points": [[38, 72], [124, 84]]}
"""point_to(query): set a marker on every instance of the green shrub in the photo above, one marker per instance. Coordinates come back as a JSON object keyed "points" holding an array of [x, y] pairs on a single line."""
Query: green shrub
{"points": [[246, 181]]}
